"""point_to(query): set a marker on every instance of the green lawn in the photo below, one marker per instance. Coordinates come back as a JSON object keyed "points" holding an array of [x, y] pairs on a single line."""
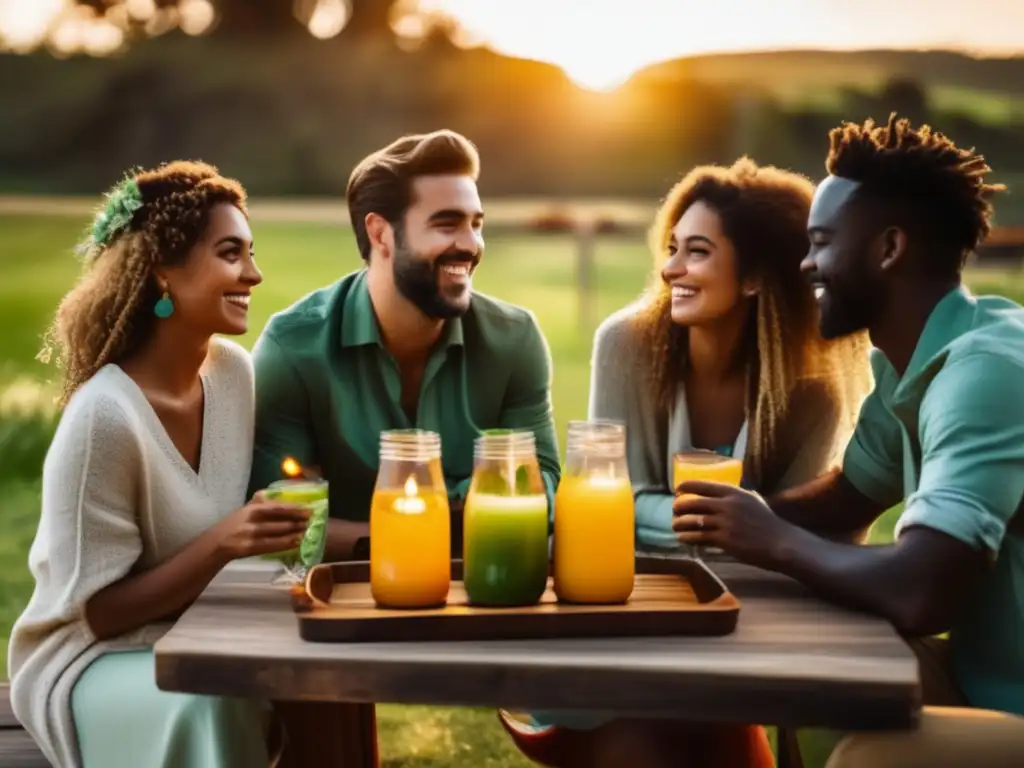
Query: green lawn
{"points": [[37, 266]]}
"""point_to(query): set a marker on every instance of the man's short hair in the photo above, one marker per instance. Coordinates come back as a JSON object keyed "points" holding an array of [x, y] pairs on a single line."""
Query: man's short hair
{"points": [[382, 182], [936, 189]]}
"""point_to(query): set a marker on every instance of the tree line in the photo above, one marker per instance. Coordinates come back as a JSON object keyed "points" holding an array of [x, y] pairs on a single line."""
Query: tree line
{"points": [[291, 115]]}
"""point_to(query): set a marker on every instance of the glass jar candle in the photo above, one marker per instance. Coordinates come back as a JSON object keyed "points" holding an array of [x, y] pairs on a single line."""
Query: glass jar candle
{"points": [[505, 522], [594, 545], [410, 526]]}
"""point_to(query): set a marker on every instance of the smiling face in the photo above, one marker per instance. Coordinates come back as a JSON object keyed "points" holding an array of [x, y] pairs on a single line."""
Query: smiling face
{"points": [[211, 288], [840, 264], [702, 269], [439, 245]]}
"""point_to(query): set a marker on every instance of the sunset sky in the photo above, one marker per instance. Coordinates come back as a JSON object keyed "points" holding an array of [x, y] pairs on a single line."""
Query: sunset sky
{"points": [[599, 43]]}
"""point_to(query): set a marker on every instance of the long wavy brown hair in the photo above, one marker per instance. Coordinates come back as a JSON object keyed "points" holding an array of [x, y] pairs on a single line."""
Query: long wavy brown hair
{"points": [[108, 314], [764, 212]]}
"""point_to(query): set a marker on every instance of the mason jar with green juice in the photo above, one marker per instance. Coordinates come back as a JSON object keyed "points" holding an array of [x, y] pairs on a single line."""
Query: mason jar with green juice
{"points": [[505, 522]]}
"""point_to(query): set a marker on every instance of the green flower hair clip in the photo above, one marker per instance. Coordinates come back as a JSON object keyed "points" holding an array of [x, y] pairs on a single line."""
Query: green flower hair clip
{"points": [[116, 214]]}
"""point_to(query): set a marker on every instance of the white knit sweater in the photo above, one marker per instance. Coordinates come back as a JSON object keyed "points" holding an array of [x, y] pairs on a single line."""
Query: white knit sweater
{"points": [[118, 497]]}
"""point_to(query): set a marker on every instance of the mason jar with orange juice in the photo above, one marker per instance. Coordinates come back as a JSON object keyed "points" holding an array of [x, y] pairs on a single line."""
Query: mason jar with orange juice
{"points": [[594, 543], [410, 523]]}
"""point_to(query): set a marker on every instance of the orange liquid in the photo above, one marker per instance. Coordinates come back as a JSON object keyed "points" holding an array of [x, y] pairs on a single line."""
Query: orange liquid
{"points": [[410, 551], [717, 470], [594, 546]]}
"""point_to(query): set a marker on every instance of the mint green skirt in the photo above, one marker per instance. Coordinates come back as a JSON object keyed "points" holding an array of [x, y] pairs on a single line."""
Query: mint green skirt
{"points": [[124, 721]]}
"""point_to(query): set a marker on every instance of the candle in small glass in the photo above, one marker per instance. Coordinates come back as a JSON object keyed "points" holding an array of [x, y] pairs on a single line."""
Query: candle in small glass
{"points": [[594, 546], [505, 529], [410, 524]]}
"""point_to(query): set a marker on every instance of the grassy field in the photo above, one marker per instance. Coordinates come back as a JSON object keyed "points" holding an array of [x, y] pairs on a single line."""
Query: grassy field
{"points": [[37, 266]]}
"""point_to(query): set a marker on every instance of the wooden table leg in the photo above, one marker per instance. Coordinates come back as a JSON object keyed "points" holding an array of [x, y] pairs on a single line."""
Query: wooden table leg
{"points": [[789, 748], [328, 734]]}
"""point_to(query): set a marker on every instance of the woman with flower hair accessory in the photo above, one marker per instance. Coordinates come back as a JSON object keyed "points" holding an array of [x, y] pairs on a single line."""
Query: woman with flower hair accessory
{"points": [[144, 484]]}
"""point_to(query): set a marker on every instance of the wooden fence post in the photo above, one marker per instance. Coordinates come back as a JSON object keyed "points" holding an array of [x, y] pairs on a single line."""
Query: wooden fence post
{"points": [[586, 236]]}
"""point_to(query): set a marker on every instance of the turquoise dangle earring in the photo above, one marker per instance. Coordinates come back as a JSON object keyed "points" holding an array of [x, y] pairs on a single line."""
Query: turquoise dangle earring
{"points": [[164, 307]]}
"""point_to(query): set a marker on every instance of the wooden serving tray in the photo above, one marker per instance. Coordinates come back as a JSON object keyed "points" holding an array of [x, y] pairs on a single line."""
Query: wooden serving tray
{"points": [[671, 597]]}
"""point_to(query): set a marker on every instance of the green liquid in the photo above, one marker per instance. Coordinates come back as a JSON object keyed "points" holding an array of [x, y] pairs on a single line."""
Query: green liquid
{"points": [[312, 495], [505, 549], [297, 491]]}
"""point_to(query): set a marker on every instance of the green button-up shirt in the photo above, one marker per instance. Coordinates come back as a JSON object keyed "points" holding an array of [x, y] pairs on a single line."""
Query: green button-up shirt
{"points": [[326, 388], [948, 437]]}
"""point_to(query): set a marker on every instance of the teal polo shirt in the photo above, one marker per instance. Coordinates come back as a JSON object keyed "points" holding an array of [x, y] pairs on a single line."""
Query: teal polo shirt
{"points": [[948, 438], [326, 388]]}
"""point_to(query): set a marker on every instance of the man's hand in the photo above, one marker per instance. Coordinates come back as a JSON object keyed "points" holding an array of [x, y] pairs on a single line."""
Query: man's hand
{"points": [[737, 521], [342, 536], [937, 574]]}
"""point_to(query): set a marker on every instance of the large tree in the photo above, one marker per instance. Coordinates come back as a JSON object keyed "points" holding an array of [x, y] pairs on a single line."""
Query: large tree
{"points": [[369, 19], [278, 18], [247, 18]]}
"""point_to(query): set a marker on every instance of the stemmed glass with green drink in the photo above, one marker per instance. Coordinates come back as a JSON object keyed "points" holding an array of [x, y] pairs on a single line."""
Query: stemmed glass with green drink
{"points": [[312, 493]]}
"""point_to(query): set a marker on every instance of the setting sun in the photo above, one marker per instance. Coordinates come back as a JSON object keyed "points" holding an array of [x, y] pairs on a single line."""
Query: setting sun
{"points": [[597, 73]]}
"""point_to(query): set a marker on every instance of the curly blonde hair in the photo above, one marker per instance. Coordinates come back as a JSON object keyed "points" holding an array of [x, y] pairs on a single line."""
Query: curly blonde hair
{"points": [[764, 212], [108, 314]]}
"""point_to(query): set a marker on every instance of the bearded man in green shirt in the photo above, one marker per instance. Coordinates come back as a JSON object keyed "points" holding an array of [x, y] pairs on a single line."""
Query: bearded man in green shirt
{"points": [[403, 342]]}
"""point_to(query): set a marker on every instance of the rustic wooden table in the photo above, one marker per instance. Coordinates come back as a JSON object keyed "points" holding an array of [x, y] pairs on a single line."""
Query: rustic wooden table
{"points": [[793, 661]]}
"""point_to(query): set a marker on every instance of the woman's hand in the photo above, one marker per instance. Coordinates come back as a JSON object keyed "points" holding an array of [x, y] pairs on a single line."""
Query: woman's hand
{"points": [[260, 528]]}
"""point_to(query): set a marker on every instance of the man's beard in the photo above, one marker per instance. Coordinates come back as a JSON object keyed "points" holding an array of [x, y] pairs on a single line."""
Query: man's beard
{"points": [[417, 280], [850, 304]]}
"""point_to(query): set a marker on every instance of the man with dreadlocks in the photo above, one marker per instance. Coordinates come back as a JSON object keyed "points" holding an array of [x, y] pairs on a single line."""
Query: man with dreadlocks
{"points": [[943, 431]]}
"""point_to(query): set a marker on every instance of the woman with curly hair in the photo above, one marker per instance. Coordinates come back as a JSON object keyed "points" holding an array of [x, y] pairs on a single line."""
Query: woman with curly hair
{"points": [[143, 491], [722, 354]]}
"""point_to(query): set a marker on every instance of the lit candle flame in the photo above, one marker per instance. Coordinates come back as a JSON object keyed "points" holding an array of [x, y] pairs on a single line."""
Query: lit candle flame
{"points": [[291, 467], [411, 489], [410, 503]]}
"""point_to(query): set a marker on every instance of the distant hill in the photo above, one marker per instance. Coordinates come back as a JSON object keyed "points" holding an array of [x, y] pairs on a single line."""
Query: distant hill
{"points": [[293, 116], [864, 69]]}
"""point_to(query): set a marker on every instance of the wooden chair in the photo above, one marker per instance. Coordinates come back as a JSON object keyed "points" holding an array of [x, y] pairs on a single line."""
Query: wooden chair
{"points": [[788, 749], [17, 748]]}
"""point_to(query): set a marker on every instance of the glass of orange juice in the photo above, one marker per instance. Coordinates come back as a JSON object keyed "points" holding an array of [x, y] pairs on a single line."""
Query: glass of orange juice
{"points": [[705, 465], [594, 544], [410, 523]]}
